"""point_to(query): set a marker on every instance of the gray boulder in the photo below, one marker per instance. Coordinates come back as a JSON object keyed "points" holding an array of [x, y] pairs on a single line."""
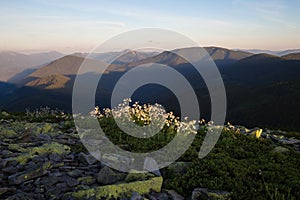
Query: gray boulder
{"points": [[280, 149], [174, 195], [121, 162], [86, 159], [107, 176]]}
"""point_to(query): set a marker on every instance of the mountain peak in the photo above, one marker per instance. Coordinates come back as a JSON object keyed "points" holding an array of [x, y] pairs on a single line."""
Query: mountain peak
{"points": [[129, 51]]}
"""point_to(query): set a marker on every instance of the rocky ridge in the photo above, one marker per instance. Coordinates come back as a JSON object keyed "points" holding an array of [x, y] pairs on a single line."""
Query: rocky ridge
{"points": [[42, 160]]}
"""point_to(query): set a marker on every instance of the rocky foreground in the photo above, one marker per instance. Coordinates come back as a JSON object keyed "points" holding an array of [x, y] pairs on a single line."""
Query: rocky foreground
{"points": [[39, 161], [42, 160]]}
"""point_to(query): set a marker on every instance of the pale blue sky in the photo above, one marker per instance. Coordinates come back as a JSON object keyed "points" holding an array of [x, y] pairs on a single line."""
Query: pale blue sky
{"points": [[74, 25]]}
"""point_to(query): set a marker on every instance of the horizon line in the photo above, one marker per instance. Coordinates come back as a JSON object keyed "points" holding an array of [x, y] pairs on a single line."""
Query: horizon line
{"points": [[36, 51]]}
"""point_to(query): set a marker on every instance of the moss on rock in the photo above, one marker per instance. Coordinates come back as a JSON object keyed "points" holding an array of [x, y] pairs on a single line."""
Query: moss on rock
{"points": [[138, 176], [42, 150], [119, 190], [88, 180], [16, 147], [7, 133]]}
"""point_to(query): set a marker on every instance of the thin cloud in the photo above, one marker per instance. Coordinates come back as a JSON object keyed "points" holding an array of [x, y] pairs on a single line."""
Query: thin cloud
{"points": [[273, 11], [99, 22], [268, 10], [167, 18]]}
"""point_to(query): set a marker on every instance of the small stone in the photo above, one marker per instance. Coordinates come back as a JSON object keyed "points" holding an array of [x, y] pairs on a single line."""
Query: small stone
{"points": [[71, 182], [44, 137], [134, 175], [3, 190], [280, 149], [122, 163], [56, 174], [55, 157], [12, 170], [6, 153], [200, 193], [62, 187], [218, 194], [157, 195], [39, 159], [48, 182], [57, 191], [22, 177], [136, 196], [151, 166], [174, 195], [297, 147], [75, 173], [3, 163], [107, 176], [12, 163], [203, 193], [285, 140], [26, 195], [27, 186], [70, 157], [86, 159], [177, 168], [32, 165], [88, 180], [4, 113], [264, 134]]}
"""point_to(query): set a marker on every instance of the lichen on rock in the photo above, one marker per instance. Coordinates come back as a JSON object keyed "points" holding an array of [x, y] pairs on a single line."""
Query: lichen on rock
{"points": [[119, 190], [46, 148]]}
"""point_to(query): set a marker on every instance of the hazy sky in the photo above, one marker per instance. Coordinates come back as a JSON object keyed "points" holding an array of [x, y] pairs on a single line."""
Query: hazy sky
{"points": [[73, 25]]}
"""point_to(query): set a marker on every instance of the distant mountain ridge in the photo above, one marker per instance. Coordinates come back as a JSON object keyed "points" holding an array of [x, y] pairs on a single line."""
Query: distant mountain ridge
{"points": [[262, 89], [276, 53], [125, 60], [12, 63], [221, 56], [118, 57], [231, 63]]}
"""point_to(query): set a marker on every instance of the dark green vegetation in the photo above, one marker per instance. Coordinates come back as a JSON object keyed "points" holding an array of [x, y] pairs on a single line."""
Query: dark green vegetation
{"points": [[243, 165], [275, 105], [247, 167], [134, 144]]}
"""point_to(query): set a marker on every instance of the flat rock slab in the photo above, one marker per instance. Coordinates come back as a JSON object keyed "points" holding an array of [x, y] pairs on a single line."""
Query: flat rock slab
{"points": [[118, 190], [22, 177]]}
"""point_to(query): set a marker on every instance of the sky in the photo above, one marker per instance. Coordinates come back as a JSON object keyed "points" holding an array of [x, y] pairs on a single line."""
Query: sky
{"points": [[73, 26]]}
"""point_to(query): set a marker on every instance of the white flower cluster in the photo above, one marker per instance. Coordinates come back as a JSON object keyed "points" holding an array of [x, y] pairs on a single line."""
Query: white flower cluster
{"points": [[44, 112], [187, 127], [96, 112], [143, 115]]}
